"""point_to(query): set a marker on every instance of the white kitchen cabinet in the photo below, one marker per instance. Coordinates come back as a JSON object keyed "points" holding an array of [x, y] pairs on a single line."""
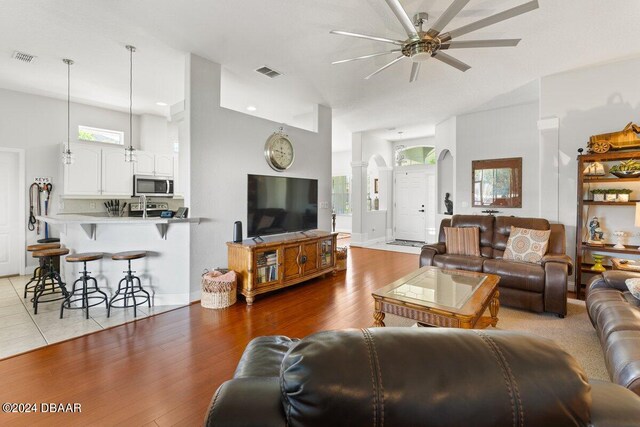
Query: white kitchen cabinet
{"points": [[164, 165], [145, 163], [117, 175], [148, 163], [83, 177]]}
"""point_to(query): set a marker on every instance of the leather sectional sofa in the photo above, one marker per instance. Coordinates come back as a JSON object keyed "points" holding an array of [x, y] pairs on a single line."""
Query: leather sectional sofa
{"points": [[615, 314], [416, 377], [535, 287]]}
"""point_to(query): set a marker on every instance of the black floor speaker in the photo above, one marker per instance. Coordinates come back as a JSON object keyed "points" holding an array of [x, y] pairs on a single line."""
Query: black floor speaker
{"points": [[237, 232]]}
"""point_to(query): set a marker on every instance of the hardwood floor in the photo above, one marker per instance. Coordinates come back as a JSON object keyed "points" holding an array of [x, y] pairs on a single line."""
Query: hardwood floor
{"points": [[163, 370]]}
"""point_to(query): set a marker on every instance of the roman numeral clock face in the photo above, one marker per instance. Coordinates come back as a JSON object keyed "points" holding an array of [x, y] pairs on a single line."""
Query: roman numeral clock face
{"points": [[279, 152]]}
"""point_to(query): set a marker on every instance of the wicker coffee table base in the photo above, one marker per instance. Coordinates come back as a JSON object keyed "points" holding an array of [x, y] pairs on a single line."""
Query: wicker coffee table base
{"points": [[438, 317]]}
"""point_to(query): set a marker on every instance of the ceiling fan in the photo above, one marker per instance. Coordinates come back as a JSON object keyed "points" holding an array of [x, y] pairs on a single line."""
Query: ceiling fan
{"points": [[422, 45]]}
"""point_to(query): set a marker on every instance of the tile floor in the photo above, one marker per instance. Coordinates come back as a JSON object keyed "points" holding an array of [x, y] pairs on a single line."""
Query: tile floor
{"points": [[21, 330]]}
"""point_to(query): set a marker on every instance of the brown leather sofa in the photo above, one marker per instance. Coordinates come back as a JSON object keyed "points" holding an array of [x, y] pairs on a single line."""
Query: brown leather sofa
{"points": [[416, 377], [523, 285], [615, 314]]}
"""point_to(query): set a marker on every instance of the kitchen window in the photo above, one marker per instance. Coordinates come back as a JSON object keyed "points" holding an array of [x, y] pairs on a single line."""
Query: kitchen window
{"points": [[86, 133]]}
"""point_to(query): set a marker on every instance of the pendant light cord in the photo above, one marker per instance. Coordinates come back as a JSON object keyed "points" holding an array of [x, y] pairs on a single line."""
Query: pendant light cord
{"points": [[131, 49], [68, 106]]}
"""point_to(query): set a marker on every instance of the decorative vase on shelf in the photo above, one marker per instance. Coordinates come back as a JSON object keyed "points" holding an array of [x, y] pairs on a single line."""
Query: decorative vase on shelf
{"points": [[597, 263]]}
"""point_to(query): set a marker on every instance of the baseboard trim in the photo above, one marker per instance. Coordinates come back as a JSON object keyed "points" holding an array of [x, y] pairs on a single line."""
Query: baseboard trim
{"points": [[171, 299]]}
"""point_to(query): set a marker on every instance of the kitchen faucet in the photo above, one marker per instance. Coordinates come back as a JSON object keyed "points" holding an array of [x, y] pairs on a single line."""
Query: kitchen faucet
{"points": [[143, 202]]}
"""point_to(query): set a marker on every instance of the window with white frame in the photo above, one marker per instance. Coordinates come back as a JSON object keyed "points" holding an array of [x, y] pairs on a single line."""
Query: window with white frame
{"points": [[87, 133], [340, 195]]}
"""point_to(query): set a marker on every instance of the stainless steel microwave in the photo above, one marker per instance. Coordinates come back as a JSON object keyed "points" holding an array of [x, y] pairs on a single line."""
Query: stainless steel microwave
{"points": [[144, 185]]}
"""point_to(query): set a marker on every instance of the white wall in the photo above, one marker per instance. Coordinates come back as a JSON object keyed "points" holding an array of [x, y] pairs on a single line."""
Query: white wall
{"points": [[370, 226], [226, 146], [494, 134], [154, 134], [38, 125], [590, 101]]}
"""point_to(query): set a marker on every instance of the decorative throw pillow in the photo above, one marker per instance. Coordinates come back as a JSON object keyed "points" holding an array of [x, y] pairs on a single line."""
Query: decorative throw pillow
{"points": [[462, 240], [527, 245], [634, 286]]}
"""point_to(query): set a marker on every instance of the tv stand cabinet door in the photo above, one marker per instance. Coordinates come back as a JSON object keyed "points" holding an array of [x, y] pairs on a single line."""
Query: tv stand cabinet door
{"points": [[292, 268], [310, 258]]}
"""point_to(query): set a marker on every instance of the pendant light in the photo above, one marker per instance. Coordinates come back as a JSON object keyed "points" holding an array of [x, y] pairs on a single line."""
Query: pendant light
{"points": [[67, 156], [129, 152]]}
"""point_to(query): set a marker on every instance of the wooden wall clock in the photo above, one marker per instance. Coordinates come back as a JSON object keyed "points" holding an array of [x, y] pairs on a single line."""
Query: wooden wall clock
{"points": [[279, 152]]}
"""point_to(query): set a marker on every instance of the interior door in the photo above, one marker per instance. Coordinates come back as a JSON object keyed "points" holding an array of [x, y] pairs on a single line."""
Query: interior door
{"points": [[410, 206], [9, 229]]}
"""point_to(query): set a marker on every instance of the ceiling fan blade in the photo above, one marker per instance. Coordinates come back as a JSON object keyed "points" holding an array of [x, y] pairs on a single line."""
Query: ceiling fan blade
{"points": [[479, 43], [385, 67], [494, 19], [451, 12], [402, 16], [450, 60], [364, 36], [365, 56], [415, 70]]}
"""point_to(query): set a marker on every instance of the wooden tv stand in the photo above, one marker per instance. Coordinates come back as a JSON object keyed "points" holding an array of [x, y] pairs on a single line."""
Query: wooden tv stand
{"points": [[280, 261]]}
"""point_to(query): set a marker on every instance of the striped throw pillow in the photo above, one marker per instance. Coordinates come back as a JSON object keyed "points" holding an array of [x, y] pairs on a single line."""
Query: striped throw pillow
{"points": [[527, 245], [462, 240]]}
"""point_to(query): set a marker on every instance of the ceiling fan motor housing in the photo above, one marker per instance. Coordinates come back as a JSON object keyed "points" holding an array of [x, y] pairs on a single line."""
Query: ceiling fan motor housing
{"points": [[421, 49]]}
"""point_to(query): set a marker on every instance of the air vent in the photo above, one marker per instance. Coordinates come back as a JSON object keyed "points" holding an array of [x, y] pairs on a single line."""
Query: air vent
{"points": [[23, 57], [269, 72]]}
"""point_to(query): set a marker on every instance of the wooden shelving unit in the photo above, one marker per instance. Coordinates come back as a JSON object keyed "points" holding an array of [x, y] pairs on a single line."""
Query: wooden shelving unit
{"points": [[583, 181]]}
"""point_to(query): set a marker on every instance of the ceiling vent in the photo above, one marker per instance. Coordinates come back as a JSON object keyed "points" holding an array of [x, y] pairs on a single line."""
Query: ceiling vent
{"points": [[23, 57], [269, 72]]}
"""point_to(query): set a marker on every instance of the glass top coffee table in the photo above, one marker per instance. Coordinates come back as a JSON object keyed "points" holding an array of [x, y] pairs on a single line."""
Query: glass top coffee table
{"points": [[435, 297]]}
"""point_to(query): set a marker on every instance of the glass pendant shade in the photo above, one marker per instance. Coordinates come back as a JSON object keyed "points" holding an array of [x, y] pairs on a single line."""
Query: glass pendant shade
{"points": [[129, 154], [67, 157]]}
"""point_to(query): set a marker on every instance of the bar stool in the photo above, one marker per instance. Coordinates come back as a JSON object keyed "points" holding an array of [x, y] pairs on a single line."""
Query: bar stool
{"points": [[37, 272], [129, 290], [84, 292], [49, 240], [48, 257]]}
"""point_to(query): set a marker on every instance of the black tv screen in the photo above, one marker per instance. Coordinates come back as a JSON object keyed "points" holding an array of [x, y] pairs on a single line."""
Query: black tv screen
{"points": [[278, 204]]}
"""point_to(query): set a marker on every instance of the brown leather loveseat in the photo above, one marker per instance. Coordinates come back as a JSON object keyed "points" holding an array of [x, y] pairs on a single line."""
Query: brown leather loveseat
{"points": [[536, 287], [615, 314], [416, 377]]}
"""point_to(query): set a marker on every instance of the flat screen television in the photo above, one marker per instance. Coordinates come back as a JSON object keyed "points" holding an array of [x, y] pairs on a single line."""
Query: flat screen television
{"points": [[278, 204]]}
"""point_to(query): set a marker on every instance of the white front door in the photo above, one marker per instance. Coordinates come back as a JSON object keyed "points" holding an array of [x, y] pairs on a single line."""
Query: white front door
{"points": [[410, 211], [9, 226]]}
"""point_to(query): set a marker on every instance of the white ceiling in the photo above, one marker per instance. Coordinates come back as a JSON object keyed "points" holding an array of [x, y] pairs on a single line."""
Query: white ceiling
{"points": [[293, 37]]}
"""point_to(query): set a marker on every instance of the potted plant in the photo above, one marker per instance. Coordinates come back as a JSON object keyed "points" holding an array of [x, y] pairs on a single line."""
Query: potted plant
{"points": [[598, 194], [623, 195], [611, 195], [627, 169]]}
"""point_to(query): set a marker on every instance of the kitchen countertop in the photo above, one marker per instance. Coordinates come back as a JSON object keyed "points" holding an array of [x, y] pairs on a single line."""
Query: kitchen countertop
{"points": [[90, 219]]}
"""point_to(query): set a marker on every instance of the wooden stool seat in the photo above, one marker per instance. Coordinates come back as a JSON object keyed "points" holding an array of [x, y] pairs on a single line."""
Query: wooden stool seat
{"points": [[124, 256], [50, 253], [84, 257], [42, 246]]}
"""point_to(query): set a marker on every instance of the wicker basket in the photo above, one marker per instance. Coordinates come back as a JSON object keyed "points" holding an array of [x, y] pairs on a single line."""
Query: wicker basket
{"points": [[218, 289], [341, 259]]}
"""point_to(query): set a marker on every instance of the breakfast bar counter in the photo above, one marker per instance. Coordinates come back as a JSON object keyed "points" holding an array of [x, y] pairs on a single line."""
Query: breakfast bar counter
{"points": [[164, 271]]}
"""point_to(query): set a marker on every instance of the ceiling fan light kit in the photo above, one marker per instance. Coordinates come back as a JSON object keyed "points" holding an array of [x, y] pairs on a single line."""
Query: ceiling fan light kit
{"points": [[421, 45]]}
